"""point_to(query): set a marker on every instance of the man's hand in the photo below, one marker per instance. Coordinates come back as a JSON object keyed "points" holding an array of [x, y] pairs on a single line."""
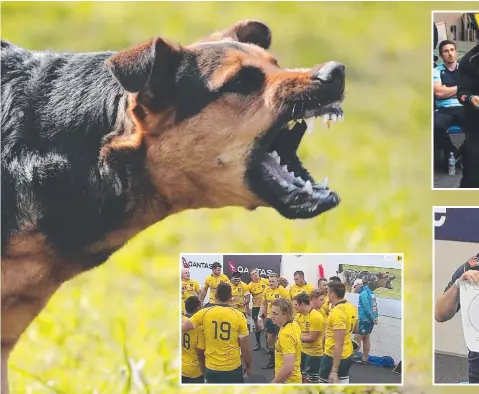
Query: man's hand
{"points": [[475, 101], [260, 323], [471, 275], [333, 377]]}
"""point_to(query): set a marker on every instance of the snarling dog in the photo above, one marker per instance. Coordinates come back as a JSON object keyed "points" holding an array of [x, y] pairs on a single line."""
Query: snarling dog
{"points": [[374, 280], [98, 146]]}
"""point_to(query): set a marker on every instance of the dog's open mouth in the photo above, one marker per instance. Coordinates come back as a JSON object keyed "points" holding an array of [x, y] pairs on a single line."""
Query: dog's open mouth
{"points": [[276, 173]]}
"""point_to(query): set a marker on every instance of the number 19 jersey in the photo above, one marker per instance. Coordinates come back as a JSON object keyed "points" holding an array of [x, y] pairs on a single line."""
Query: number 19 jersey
{"points": [[223, 326]]}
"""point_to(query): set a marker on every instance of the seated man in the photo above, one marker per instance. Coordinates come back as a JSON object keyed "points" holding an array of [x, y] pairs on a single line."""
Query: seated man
{"points": [[449, 111]]}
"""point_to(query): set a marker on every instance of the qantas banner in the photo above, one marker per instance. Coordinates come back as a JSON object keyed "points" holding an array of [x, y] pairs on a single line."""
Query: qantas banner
{"points": [[266, 264], [199, 265], [457, 224]]}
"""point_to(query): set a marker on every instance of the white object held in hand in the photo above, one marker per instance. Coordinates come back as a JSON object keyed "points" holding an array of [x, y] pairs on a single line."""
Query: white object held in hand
{"points": [[469, 298]]}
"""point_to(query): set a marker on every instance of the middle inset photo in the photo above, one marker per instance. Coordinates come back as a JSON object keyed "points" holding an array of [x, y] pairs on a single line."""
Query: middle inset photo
{"points": [[291, 318]]}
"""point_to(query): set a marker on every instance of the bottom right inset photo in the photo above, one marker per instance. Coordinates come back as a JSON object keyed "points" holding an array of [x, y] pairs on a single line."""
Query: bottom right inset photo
{"points": [[456, 295]]}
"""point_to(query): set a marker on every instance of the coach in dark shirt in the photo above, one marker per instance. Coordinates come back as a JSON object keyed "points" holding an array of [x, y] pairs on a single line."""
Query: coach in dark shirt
{"points": [[468, 95], [448, 305]]}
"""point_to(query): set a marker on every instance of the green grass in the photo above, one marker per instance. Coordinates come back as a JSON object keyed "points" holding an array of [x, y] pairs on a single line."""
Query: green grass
{"points": [[394, 293], [378, 160]]}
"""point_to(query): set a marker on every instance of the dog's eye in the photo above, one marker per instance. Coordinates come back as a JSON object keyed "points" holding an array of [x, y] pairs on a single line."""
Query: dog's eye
{"points": [[248, 80]]}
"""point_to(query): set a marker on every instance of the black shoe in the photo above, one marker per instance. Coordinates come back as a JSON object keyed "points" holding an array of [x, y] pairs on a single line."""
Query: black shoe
{"points": [[257, 347], [268, 365]]}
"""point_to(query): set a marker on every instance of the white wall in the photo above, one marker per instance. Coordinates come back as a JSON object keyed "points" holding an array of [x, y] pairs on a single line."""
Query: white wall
{"points": [[449, 255]]}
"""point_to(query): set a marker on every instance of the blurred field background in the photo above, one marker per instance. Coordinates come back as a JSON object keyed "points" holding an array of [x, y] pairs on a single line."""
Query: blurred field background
{"points": [[378, 160]]}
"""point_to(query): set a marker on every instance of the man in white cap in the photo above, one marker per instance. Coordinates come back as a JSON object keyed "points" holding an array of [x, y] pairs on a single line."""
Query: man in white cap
{"points": [[368, 317]]}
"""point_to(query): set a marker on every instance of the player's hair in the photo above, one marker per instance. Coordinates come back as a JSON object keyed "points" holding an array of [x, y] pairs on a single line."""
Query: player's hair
{"points": [[302, 298], [444, 43], [223, 292], [283, 282], [318, 293], [337, 288], [300, 273], [192, 304], [273, 275], [335, 279], [215, 265], [322, 280], [285, 306]]}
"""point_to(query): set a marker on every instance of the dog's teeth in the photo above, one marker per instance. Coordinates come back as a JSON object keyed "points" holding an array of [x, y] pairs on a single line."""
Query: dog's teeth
{"points": [[291, 124], [334, 117], [283, 183], [285, 168], [278, 159], [291, 173], [341, 117], [325, 118], [308, 187], [323, 184], [309, 124], [274, 154], [301, 180]]}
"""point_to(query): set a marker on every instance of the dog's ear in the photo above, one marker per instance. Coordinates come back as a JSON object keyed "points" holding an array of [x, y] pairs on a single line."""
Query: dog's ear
{"points": [[135, 67], [249, 31]]}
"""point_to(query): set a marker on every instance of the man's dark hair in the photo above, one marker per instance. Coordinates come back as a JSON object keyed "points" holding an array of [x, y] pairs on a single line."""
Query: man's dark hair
{"points": [[215, 265], [444, 43], [236, 274], [334, 279], [302, 298], [192, 304], [300, 273], [322, 280], [337, 288], [223, 292]]}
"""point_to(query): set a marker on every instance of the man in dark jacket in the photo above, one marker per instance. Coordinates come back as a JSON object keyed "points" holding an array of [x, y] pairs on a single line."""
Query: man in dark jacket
{"points": [[468, 95]]}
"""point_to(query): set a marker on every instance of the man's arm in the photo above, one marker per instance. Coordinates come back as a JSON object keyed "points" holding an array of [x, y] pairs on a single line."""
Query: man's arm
{"points": [[464, 83], [197, 289], [286, 369], [367, 305], [244, 343], [263, 308], [444, 92], [338, 349], [187, 326], [203, 292], [310, 337]]}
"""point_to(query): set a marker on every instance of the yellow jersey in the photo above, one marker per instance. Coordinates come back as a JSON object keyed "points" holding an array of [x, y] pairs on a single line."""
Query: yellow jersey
{"points": [[325, 307], [294, 290], [223, 326], [353, 314], [257, 289], [339, 319], [188, 288], [269, 295], [312, 321], [239, 292], [289, 342], [212, 283], [192, 340]]}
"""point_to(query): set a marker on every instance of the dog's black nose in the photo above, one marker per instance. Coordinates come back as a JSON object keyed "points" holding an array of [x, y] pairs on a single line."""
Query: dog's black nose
{"points": [[331, 71]]}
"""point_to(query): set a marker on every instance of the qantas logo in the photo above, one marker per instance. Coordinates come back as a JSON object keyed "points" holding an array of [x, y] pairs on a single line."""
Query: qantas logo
{"points": [[232, 266], [195, 264]]}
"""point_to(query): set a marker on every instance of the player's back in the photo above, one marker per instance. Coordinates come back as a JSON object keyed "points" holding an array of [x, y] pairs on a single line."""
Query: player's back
{"points": [[223, 326]]}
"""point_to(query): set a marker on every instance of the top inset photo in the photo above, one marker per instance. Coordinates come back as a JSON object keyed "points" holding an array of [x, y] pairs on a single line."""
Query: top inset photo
{"points": [[456, 100]]}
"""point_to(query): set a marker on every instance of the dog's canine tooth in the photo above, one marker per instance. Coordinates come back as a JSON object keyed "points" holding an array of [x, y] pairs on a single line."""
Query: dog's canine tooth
{"points": [[334, 117], [325, 118], [278, 159], [274, 154], [308, 187], [291, 173], [285, 168], [309, 124]]}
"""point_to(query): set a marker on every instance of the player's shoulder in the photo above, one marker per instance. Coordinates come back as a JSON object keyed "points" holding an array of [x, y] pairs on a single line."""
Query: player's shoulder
{"points": [[315, 314]]}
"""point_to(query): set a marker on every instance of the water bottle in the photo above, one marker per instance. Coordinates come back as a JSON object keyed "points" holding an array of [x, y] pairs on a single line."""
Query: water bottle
{"points": [[452, 164]]}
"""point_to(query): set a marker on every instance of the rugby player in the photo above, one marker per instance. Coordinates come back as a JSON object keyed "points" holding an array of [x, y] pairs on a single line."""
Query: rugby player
{"points": [[323, 287], [189, 288], [273, 292], [300, 285], [193, 347], [226, 339], [337, 359], [241, 295], [288, 345], [211, 282], [257, 287], [311, 322]]}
